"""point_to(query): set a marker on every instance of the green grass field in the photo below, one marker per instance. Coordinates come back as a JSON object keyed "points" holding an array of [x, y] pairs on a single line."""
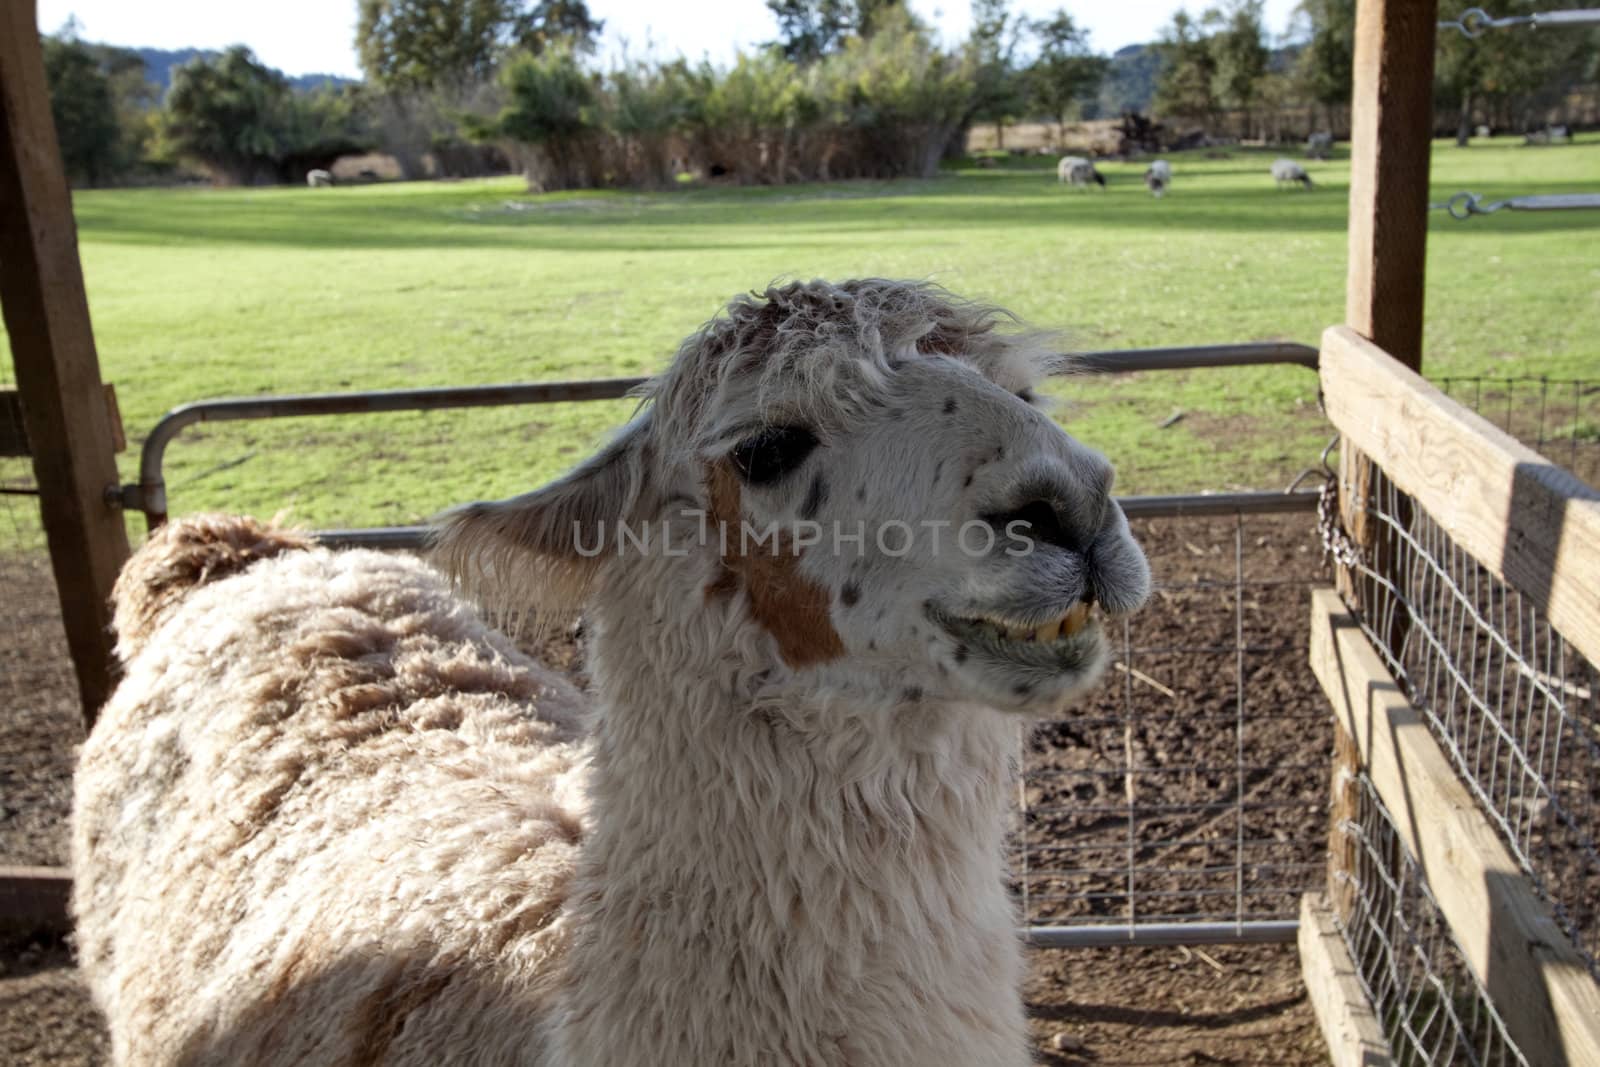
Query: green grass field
{"points": [[200, 293]]}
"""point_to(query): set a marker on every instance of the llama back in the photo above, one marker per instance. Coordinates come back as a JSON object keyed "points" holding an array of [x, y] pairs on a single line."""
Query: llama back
{"points": [[326, 815]]}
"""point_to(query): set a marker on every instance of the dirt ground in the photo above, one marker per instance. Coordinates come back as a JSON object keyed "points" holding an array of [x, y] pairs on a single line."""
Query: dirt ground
{"points": [[1089, 1007]]}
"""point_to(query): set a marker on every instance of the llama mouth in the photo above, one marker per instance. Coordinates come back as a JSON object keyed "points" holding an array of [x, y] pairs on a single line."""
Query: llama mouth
{"points": [[1067, 626], [1066, 642]]}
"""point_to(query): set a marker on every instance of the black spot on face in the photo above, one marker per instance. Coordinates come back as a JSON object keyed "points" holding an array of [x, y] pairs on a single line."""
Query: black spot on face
{"points": [[966, 482], [1022, 689], [850, 594], [950, 405], [872, 646], [861, 493], [814, 498], [961, 653], [1000, 452], [912, 695]]}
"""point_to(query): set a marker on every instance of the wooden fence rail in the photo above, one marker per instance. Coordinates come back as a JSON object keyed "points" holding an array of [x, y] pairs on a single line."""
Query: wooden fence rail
{"points": [[1510, 938], [1532, 523]]}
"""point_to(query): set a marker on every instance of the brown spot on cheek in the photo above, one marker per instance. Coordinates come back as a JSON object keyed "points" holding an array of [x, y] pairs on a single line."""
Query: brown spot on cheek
{"points": [[785, 603]]}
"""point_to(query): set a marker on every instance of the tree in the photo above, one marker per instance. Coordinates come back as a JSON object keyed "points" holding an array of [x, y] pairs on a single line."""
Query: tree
{"points": [[811, 29], [241, 119], [83, 107], [1506, 69], [1238, 53], [1326, 64], [1188, 72], [999, 94], [1066, 71], [552, 110], [875, 15], [408, 45], [557, 23]]}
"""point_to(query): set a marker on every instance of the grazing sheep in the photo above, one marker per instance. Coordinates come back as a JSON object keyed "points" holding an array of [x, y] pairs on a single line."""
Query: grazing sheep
{"points": [[1319, 144], [1287, 172], [1078, 172], [1157, 177], [319, 179], [1548, 135], [827, 572]]}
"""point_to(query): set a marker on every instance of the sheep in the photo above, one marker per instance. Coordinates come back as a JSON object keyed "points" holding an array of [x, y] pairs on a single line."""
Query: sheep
{"points": [[1287, 172], [330, 816], [319, 179], [1319, 144], [1548, 135], [1079, 172], [1157, 177]]}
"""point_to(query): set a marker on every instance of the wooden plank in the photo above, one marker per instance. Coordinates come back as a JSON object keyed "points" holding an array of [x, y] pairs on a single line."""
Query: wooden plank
{"points": [[14, 433], [35, 899], [1537, 979], [1532, 523], [1349, 1026], [1344, 806], [58, 373]]}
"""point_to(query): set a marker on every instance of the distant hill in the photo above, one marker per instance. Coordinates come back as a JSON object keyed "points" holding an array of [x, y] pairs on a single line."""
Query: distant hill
{"points": [[159, 63], [1130, 81]]}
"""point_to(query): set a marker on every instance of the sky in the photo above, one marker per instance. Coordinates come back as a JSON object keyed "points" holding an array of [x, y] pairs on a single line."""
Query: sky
{"points": [[315, 36]]}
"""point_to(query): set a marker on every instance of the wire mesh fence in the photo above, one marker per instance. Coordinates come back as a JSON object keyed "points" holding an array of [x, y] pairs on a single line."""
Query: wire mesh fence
{"points": [[1192, 788], [1512, 704], [1557, 417], [1432, 1009]]}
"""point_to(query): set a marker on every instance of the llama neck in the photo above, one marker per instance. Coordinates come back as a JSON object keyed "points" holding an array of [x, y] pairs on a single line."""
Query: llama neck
{"points": [[806, 881]]}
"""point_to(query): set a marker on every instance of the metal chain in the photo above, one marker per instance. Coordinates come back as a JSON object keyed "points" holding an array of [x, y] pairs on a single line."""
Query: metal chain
{"points": [[1474, 21], [1336, 543], [1466, 205]]}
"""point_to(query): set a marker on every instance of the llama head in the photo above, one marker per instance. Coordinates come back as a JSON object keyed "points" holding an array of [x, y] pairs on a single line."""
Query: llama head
{"points": [[855, 476]]}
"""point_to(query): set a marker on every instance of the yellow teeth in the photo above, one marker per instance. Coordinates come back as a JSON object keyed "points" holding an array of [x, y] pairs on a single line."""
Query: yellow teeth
{"points": [[1066, 626], [1076, 619]]}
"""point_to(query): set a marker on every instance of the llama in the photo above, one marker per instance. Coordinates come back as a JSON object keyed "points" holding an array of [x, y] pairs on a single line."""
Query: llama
{"points": [[1078, 172], [1157, 177], [319, 179], [830, 568], [1288, 172], [1319, 144]]}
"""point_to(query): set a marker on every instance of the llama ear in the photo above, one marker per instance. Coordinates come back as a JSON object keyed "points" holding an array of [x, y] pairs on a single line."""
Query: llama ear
{"points": [[537, 554]]}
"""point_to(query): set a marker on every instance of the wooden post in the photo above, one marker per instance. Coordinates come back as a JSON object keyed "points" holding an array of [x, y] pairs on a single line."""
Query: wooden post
{"points": [[1391, 120], [1391, 141], [58, 373]]}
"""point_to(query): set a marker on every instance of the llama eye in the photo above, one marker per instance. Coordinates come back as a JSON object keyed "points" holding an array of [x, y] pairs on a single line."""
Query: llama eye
{"points": [[1027, 396], [772, 453]]}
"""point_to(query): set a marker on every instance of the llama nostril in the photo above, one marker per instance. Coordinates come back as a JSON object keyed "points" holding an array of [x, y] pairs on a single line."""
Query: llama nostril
{"points": [[1041, 520]]}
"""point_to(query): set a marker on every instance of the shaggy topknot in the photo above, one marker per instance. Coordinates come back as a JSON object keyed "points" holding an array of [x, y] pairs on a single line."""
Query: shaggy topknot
{"points": [[181, 555]]}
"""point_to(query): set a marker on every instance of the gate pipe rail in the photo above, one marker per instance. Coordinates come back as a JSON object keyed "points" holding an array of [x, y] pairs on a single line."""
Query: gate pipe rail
{"points": [[149, 495]]}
